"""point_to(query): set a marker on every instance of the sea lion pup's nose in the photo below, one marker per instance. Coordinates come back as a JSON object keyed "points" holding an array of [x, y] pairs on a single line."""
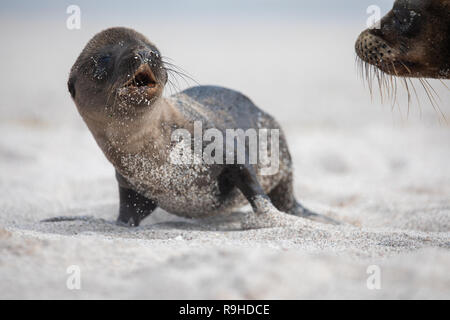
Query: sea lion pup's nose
{"points": [[146, 55]]}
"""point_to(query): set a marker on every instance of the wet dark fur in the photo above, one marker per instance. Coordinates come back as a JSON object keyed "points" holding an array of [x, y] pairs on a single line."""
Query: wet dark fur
{"points": [[413, 42]]}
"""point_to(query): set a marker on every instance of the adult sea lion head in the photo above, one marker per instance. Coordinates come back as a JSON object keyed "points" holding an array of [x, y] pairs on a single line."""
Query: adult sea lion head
{"points": [[413, 40]]}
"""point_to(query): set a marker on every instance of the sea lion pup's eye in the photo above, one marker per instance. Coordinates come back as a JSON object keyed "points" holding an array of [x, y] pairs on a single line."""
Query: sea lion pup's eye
{"points": [[102, 64]]}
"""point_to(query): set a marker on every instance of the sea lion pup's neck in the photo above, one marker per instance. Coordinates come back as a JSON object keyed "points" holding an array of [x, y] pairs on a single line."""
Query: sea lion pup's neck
{"points": [[134, 133], [117, 84]]}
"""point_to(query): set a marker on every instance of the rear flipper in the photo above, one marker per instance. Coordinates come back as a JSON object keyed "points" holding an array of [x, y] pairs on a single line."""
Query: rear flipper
{"points": [[282, 197], [301, 211], [244, 178], [269, 206]]}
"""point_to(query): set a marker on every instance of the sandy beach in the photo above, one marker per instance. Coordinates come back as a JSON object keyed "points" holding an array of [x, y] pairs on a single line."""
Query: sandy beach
{"points": [[382, 172]]}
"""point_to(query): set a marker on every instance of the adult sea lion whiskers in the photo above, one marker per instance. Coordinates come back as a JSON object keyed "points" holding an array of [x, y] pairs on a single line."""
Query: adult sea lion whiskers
{"points": [[388, 83]]}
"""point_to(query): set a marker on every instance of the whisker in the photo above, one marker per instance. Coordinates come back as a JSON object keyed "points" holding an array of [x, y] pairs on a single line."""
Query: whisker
{"points": [[444, 84], [377, 74], [388, 85], [183, 76], [176, 83], [407, 69], [409, 94], [416, 95], [428, 94], [431, 90], [437, 95], [180, 70]]}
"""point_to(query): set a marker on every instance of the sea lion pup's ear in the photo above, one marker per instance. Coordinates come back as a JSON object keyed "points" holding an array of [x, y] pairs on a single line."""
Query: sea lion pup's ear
{"points": [[71, 86]]}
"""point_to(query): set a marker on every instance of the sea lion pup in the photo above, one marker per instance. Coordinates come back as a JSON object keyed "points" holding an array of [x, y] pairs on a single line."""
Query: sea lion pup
{"points": [[117, 84], [413, 40]]}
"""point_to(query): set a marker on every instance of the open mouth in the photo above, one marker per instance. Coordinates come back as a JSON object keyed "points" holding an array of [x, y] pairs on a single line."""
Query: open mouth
{"points": [[142, 88], [143, 78]]}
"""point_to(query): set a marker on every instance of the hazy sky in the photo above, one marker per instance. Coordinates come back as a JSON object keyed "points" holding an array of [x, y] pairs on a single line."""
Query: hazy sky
{"points": [[315, 9]]}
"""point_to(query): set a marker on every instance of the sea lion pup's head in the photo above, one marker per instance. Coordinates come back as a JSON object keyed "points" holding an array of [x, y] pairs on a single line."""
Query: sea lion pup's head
{"points": [[413, 41], [118, 75]]}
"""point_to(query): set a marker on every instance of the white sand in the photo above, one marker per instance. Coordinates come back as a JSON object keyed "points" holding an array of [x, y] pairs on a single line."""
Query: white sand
{"points": [[385, 176]]}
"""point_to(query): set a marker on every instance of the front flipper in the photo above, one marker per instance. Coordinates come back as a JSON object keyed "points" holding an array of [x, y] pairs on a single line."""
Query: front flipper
{"points": [[133, 206]]}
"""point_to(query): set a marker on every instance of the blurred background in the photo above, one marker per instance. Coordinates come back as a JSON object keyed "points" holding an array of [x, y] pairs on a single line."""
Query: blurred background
{"points": [[296, 57], [375, 166]]}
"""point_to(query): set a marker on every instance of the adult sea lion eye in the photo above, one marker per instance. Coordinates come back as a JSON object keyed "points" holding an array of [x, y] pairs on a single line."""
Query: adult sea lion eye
{"points": [[406, 21]]}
